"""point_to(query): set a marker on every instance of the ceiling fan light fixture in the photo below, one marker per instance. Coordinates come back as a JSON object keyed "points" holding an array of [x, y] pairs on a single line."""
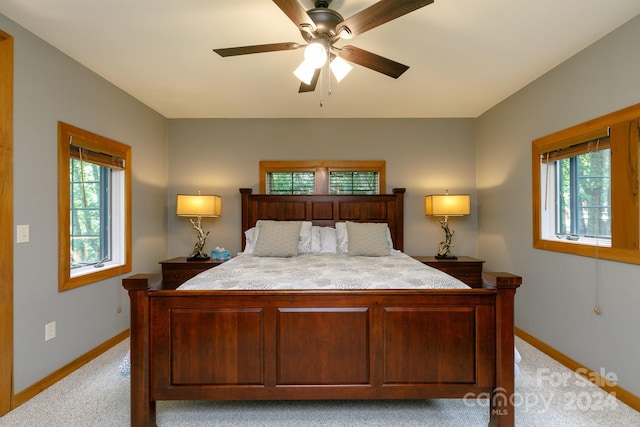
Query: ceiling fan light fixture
{"points": [[315, 54], [304, 72], [340, 68]]}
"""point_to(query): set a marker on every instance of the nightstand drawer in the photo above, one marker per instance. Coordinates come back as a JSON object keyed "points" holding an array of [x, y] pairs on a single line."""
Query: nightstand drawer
{"points": [[179, 276], [465, 269], [176, 271], [471, 274]]}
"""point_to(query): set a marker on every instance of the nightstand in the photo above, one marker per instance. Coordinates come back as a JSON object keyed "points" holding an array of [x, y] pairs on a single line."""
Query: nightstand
{"points": [[466, 269], [176, 271]]}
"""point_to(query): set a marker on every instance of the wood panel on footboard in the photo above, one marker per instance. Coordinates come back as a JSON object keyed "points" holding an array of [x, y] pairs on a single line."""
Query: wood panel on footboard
{"points": [[309, 345]]}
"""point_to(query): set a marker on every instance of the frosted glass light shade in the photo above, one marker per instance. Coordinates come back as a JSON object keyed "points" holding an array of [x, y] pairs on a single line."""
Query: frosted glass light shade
{"points": [[305, 72], [340, 68], [315, 54]]}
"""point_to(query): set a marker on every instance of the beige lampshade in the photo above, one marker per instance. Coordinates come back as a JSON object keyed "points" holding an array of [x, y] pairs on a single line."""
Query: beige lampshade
{"points": [[198, 205], [448, 204]]}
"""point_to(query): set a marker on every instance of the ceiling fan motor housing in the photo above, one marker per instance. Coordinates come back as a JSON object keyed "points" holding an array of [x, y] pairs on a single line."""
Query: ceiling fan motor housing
{"points": [[326, 21]]}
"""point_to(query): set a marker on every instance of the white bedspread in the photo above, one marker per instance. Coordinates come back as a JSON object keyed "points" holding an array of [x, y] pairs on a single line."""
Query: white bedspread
{"points": [[322, 271]]}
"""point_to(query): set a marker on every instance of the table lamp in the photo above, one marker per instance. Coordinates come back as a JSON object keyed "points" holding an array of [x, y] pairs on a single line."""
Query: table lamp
{"points": [[447, 205], [207, 206]]}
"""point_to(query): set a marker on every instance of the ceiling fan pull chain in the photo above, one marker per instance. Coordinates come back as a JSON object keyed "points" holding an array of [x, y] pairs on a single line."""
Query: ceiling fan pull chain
{"points": [[321, 84]]}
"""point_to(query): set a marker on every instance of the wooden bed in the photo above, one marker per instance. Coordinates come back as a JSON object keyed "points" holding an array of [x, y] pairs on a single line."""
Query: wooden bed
{"points": [[313, 345]]}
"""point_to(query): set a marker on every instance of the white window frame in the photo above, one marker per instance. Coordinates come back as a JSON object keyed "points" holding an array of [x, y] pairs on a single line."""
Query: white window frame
{"points": [[117, 228], [549, 209]]}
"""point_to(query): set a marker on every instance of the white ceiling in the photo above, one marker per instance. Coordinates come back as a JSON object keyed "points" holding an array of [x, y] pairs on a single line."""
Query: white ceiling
{"points": [[465, 55]]}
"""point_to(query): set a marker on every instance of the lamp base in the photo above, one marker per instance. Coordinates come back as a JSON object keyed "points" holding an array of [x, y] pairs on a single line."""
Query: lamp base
{"points": [[446, 256], [198, 257]]}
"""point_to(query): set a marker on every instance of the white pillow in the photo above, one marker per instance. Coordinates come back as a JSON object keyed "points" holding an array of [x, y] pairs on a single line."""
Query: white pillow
{"points": [[316, 246], [250, 240], [367, 239], [390, 240], [277, 238], [328, 242], [304, 239], [342, 238]]}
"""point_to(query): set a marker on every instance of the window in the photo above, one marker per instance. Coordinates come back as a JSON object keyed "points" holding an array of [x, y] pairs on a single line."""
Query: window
{"points": [[583, 196], [94, 207], [585, 188], [291, 183], [577, 192], [322, 177], [353, 182]]}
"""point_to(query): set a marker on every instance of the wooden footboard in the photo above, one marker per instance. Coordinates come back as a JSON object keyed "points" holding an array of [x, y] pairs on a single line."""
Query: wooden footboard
{"points": [[265, 345]]}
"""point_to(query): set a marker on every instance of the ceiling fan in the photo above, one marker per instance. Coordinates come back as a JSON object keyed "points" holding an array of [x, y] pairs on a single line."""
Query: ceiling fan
{"points": [[321, 27]]}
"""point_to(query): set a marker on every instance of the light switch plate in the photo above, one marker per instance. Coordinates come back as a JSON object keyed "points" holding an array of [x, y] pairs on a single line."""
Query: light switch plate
{"points": [[22, 234]]}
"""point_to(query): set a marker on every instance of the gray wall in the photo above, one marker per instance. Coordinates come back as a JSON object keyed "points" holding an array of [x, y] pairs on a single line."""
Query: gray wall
{"points": [[50, 86], [556, 302], [425, 156]]}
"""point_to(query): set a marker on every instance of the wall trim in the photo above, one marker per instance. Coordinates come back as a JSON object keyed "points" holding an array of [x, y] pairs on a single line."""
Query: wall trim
{"points": [[51, 379], [6, 222], [619, 393]]}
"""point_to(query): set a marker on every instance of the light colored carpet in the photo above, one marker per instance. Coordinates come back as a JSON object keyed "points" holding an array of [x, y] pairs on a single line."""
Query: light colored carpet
{"points": [[547, 394]]}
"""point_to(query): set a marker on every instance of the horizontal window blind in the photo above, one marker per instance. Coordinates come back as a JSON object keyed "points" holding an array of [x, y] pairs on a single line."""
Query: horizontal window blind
{"points": [[291, 183], [577, 145], [348, 182], [102, 159]]}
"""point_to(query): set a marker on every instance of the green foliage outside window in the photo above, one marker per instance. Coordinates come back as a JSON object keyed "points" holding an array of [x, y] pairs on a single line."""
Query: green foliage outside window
{"points": [[340, 182], [354, 183], [584, 195], [88, 222], [292, 183]]}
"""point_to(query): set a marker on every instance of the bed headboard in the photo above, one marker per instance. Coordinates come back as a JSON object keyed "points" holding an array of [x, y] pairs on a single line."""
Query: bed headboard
{"points": [[326, 210]]}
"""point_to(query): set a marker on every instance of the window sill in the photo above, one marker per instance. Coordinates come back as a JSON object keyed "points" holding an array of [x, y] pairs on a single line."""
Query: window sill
{"points": [[579, 240], [97, 275], [581, 249]]}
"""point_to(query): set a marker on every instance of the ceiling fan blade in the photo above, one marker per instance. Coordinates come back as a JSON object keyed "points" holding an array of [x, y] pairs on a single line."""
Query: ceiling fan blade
{"points": [[294, 10], [379, 13], [260, 48], [311, 86], [372, 61]]}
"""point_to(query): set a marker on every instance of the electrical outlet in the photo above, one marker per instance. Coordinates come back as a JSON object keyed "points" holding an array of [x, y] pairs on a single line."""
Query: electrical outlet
{"points": [[50, 331]]}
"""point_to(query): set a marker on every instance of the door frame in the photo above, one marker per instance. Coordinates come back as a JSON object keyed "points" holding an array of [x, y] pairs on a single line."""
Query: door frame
{"points": [[6, 223]]}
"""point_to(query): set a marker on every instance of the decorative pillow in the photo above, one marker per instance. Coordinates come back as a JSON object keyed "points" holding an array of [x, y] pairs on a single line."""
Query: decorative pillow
{"points": [[277, 238], [328, 242], [305, 240], [342, 238], [367, 239]]}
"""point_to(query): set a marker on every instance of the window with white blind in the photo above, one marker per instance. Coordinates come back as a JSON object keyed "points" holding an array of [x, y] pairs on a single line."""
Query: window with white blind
{"points": [[94, 207], [322, 177], [585, 188]]}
